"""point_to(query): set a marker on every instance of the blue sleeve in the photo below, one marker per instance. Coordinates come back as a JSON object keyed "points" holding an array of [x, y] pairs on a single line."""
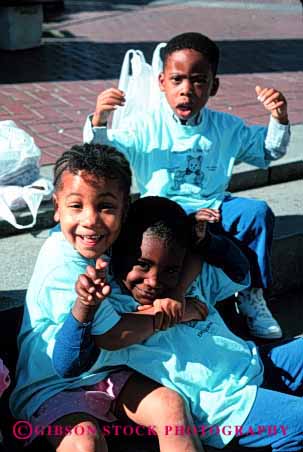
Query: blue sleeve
{"points": [[221, 252], [260, 145], [74, 351]]}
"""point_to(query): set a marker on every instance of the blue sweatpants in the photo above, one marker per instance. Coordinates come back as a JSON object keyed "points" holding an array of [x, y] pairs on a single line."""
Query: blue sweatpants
{"points": [[249, 223], [278, 408]]}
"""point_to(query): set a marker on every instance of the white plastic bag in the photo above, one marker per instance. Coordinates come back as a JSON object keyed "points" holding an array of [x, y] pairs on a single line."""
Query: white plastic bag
{"points": [[139, 81], [13, 197], [19, 156]]}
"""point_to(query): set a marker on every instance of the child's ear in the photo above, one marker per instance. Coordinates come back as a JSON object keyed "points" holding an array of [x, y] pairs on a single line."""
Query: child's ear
{"points": [[215, 87], [56, 208], [161, 81]]}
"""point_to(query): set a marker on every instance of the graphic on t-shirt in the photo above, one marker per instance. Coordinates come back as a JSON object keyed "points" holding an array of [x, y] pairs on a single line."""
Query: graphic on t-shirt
{"points": [[189, 178]]}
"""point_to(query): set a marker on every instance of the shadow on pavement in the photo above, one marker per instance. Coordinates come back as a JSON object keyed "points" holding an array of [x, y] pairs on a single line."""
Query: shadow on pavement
{"points": [[68, 58], [59, 13]]}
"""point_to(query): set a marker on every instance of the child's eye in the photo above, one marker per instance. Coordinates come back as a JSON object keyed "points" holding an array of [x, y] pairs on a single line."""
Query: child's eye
{"points": [[201, 80], [176, 79], [107, 206], [172, 271], [145, 266]]}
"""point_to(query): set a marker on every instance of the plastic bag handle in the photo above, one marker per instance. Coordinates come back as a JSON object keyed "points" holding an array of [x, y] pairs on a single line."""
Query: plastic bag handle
{"points": [[157, 63], [131, 67], [32, 198], [124, 74]]}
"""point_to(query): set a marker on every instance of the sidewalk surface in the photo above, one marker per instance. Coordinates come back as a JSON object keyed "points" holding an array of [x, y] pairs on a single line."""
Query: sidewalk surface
{"points": [[49, 90]]}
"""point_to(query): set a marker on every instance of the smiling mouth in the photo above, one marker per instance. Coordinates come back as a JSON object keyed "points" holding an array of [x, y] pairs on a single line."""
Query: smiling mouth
{"points": [[148, 295], [91, 239]]}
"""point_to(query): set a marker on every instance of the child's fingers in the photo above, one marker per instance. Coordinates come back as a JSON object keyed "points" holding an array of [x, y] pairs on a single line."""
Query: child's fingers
{"points": [[271, 97], [104, 292], [84, 282], [111, 92], [84, 288], [101, 264], [144, 307], [172, 308], [91, 272], [258, 90], [110, 98], [210, 215]]}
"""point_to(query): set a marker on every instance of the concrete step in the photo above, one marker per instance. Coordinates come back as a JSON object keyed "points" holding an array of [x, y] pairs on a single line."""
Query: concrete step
{"points": [[286, 201], [245, 177]]}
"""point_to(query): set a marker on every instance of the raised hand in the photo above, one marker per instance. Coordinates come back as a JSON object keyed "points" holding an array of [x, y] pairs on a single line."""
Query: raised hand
{"points": [[274, 102], [92, 288], [202, 217], [107, 101]]}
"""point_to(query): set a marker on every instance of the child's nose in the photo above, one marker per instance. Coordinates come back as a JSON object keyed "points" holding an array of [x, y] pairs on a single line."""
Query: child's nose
{"points": [[186, 87], [90, 217], [152, 280]]}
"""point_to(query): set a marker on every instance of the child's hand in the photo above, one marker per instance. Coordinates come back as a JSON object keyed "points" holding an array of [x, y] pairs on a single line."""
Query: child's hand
{"points": [[202, 217], [107, 102], [275, 102], [92, 287], [167, 312], [194, 310]]}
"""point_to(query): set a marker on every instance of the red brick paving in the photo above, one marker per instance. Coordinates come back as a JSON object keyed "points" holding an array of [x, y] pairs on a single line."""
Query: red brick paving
{"points": [[49, 91]]}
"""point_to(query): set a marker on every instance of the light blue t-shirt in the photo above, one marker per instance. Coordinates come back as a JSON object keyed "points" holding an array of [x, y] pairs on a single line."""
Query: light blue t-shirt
{"points": [[50, 297], [216, 372], [191, 164]]}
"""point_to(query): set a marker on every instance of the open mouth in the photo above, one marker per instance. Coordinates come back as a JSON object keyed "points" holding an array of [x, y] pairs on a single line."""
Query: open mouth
{"points": [[91, 240], [184, 109]]}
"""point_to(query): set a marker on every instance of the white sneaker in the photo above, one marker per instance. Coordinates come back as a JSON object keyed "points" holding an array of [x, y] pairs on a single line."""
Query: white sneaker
{"points": [[259, 319]]}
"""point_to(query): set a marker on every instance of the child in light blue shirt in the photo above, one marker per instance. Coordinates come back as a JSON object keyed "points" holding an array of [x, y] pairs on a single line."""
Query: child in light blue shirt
{"points": [[229, 384], [92, 185], [186, 152]]}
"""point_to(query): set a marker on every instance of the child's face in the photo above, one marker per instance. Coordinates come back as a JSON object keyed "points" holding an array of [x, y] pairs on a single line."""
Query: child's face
{"points": [[90, 212], [187, 82], [157, 270]]}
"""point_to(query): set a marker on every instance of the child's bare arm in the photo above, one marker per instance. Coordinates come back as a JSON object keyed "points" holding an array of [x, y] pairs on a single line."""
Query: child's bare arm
{"points": [[136, 327], [107, 102], [133, 328], [273, 101]]}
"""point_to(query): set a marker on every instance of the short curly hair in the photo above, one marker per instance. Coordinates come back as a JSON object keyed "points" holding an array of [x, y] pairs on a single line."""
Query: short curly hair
{"points": [[95, 159], [195, 41]]}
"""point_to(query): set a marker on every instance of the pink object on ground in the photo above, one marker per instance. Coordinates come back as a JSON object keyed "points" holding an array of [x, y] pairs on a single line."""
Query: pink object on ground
{"points": [[4, 378]]}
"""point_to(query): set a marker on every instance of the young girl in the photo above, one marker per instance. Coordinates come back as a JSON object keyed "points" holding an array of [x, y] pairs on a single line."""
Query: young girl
{"points": [[233, 389], [92, 185]]}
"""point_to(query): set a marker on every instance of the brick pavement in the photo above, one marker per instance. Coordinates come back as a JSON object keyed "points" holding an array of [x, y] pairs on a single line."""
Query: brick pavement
{"points": [[48, 91]]}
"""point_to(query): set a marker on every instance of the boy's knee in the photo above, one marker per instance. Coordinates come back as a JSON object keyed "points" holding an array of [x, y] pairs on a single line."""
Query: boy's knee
{"points": [[259, 212], [84, 437], [171, 404]]}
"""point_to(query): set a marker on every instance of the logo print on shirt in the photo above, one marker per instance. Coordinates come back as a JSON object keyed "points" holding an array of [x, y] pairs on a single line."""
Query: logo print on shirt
{"points": [[191, 174]]}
